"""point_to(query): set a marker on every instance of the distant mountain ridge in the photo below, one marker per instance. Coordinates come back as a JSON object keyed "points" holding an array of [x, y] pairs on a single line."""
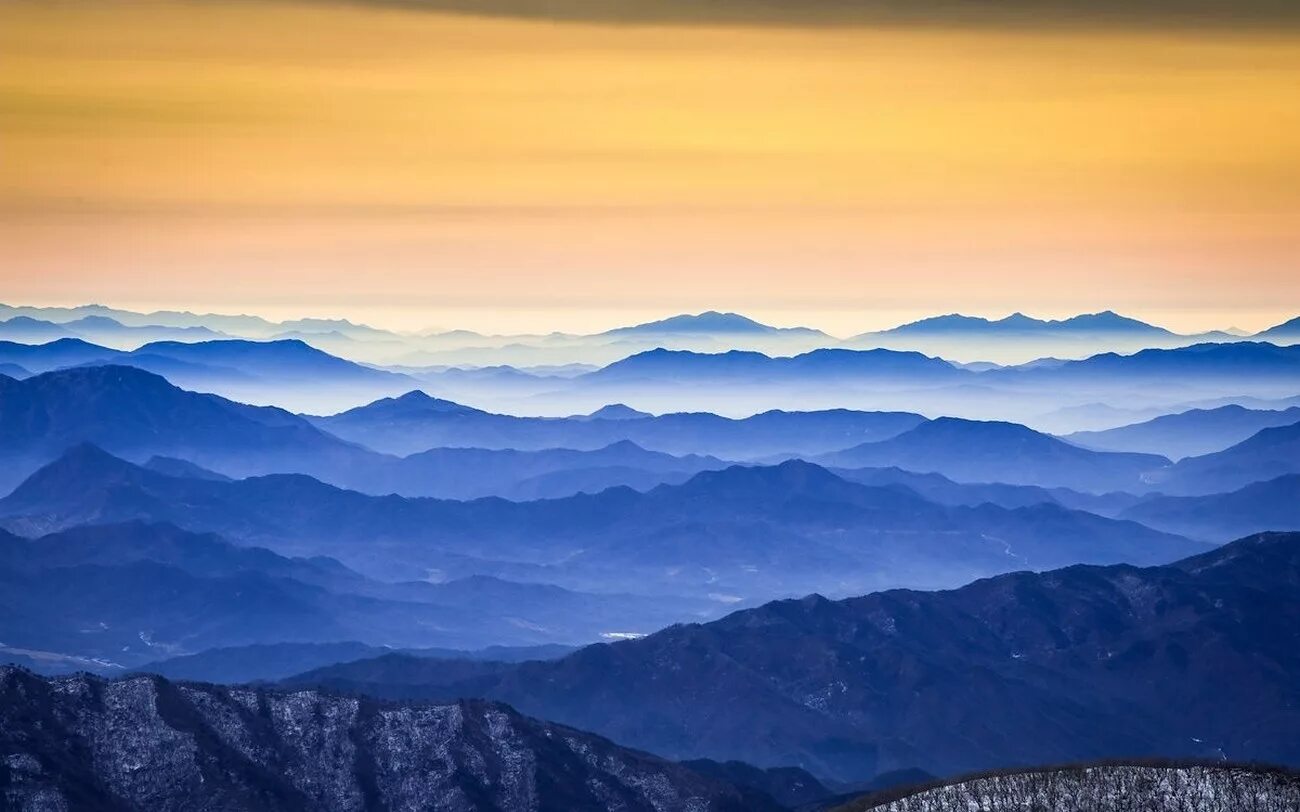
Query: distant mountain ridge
{"points": [[1018, 323]]}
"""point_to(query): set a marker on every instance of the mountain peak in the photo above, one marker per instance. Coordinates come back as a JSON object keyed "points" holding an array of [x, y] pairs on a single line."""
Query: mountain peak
{"points": [[412, 404], [1289, 328], [617, 411], [1109, 321], [73, 471], [709, 321]]}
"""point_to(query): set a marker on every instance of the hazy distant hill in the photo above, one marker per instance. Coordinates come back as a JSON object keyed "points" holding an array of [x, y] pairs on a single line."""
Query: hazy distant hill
{"points": [[1244, 361], [276, 661], [1273, 504], [670, 367], [1022, 326], [984, 451], [146, 743], [1287, 332], [1187, 434], [1200, 658], [709, 323]]}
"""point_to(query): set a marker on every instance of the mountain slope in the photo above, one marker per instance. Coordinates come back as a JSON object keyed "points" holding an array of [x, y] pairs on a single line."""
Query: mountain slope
{"points": [[979, 451], [1201, 657], [146, 743], [1285, 332], [1268, 454], [1187, 434], [1270, 505], [1234, 361]]}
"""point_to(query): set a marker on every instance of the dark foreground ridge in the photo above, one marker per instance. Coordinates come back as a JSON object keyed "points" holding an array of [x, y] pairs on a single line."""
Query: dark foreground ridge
{"points": [[82, 742], [1148, 786]]}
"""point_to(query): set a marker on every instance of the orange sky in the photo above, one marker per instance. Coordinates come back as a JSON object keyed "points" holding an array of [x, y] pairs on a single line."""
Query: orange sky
{"points": [[413, 168]]}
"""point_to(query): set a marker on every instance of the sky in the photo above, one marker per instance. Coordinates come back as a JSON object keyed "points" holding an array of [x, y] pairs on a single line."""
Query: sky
{"points": [[412, 167]]}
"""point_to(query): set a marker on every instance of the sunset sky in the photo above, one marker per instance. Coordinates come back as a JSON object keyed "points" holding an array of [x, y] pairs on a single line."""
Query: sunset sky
{"points": [[414, 168]]}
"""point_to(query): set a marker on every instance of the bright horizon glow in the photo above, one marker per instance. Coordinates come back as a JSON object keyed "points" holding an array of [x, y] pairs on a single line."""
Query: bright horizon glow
{"points": [[841, 324], [413, 169]]}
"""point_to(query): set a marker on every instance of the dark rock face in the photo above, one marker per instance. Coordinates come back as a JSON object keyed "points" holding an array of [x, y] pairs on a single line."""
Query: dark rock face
{"points": [[145, 743]]}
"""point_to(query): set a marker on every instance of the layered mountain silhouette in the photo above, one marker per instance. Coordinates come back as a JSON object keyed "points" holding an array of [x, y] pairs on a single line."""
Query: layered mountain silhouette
{"points": [[986, 451], [736, 533], [1197, 658], [147, 743], [1187, 434]]}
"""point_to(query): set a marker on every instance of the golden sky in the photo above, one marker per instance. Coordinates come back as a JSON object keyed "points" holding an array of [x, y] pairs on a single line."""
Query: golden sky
{"points": [[413, 168]]}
